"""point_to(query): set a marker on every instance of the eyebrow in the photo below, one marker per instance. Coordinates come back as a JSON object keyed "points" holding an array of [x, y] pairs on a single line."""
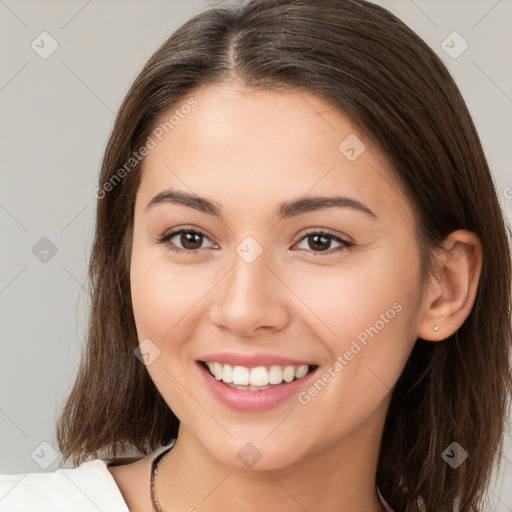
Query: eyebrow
{"points": [[284, 210]]}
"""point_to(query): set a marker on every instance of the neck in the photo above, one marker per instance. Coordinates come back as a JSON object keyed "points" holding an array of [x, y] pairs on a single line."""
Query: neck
{"points": [[339, 477]]}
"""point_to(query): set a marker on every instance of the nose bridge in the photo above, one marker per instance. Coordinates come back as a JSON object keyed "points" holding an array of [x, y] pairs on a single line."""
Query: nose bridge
{"points": [[250, 295], [248, 280]]}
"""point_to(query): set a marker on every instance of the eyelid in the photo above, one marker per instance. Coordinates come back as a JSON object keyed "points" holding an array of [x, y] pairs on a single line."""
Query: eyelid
{"points": [[310, 231]]}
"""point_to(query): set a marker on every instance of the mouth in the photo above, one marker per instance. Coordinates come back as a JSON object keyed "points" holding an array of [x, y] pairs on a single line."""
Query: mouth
{"points": [[258, 378]]}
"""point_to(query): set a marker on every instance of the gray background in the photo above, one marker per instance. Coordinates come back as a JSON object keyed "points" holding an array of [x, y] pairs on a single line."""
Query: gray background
{"points": [[56, 115]]}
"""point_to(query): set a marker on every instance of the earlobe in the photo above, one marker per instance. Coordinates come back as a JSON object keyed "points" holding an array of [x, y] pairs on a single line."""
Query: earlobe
{"points": [[453, 288]]}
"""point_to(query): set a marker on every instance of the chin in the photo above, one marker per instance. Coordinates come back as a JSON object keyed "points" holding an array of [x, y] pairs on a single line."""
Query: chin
{"points": [[256, 455]]}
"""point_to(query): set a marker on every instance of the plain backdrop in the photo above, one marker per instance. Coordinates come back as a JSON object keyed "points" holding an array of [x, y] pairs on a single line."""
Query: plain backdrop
{"points": [[56, 114]]}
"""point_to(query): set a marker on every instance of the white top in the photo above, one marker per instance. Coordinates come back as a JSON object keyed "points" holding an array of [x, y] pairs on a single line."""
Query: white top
{"points": [[87, 488]]}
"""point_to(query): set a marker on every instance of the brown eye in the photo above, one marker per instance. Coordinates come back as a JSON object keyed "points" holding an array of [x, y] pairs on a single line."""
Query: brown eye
{"points": [[320, 242], [185, 240], [190, 239]]}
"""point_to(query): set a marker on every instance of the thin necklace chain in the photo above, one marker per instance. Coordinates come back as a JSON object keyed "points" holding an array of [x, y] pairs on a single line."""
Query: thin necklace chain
{"points": [[154, 496]]}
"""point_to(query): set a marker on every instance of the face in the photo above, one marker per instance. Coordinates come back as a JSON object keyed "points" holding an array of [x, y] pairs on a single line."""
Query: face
{"points": [[264, 272]]}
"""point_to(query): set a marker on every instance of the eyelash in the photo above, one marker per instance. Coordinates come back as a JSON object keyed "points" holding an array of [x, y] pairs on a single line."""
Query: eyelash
{"points": [[166, 238]]}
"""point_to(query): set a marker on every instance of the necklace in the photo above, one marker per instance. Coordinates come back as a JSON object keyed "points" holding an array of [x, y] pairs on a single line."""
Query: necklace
{"points": [[154, 466]]}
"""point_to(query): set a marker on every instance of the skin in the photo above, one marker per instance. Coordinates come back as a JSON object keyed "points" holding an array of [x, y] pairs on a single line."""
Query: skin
{"points": [[249, 150]]}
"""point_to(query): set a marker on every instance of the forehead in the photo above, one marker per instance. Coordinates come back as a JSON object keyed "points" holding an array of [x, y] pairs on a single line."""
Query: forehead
{"points": [[244, 146]]}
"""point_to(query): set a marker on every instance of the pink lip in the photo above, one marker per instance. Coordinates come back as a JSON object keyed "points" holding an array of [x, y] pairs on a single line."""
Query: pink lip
{"points": [[251, 361], [253, 401]]}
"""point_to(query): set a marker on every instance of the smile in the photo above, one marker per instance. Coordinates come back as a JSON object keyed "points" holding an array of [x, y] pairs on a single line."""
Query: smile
{"points": [[257, 378], [255, 398]]}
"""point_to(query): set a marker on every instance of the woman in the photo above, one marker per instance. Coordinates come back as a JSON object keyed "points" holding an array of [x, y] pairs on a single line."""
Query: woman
{"points": [[300, 278]]}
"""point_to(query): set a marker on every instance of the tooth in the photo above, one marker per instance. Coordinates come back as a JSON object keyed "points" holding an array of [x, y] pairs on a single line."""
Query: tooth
{"points": [[275, 375], [217, 371], [227, 373], [289, 373], [259, 376], [241, 376], [301, 371]]}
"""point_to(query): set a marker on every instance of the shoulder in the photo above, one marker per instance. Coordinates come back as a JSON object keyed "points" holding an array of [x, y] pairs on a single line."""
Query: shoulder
{"points": [[88, 487]]}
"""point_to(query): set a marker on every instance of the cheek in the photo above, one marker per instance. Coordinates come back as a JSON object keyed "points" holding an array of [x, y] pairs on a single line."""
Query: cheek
{"points": [[364, 316], [164, 295], [163, 298], [344, 301]]}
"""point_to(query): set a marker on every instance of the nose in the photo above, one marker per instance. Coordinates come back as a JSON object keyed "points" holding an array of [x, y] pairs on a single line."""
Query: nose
{"points": [[251, 299]]}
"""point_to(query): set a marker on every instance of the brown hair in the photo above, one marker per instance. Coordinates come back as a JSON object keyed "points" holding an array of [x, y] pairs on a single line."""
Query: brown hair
{"points": [[377, 71]]}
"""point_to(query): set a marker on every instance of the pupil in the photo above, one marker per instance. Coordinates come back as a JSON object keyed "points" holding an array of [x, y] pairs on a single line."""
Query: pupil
{"points": [[188, 237], [319, 245]]}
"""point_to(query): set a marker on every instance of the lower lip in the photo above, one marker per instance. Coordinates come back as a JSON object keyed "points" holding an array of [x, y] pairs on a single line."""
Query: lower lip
{"points": [[253, 401]]}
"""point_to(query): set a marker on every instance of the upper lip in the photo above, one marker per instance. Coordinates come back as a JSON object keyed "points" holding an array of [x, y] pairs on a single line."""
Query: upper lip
{"points": [[252, 360]]}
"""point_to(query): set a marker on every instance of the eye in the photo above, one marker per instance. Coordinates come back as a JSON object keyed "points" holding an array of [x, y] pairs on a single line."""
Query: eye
{"points": [[319, 242], [190, 240]]}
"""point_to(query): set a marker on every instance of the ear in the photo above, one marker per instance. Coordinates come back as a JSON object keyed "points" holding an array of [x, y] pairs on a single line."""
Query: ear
{"points": [[453, 287]]}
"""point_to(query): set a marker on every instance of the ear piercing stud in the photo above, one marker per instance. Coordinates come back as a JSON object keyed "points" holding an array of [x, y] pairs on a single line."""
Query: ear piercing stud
{"points": [[436, 328]]}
